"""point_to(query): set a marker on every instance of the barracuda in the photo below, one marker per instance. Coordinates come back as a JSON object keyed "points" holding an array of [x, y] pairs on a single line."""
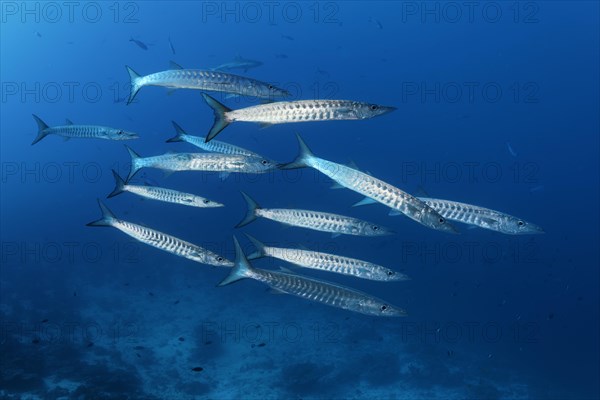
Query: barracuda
{"points": [[311, 289], [210, 162], [373, 188], [161, 194], [292, 111], [326, 262], [70, 131], [161, 240], [215, 81], [315, 220]]}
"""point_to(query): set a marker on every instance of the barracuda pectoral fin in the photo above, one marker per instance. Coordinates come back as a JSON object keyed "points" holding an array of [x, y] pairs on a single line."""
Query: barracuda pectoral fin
{"points": [[335, 234], [170, 92], [489, 221], [364, 202], [265, 125], [224, 175], [276, 291], [336, 186], [394, 213], [66, 138], [286, 270]]}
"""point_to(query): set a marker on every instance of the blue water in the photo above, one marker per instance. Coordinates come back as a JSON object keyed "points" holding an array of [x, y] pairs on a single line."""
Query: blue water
{"points": [[497, 106]]}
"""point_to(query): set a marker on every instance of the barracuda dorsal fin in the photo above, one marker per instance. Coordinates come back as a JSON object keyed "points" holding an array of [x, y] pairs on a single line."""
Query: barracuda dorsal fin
{"points": [[364, 202], [174, 65], [68, 121]]}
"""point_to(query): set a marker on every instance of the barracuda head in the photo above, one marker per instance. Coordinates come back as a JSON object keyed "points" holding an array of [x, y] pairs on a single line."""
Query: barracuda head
{"points": [[368, 229], [119, 134], [378, 308], [263, 164], [515, 226], [268, 91], [433, 220], [366, 110], [221, 261]]}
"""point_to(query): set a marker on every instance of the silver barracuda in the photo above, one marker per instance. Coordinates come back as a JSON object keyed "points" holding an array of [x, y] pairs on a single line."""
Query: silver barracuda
{"points": [[161, 194], [215, 81], [373, 188], [482, 217], [311, 289], [315, 220], [160, 240], [326, 262], [213, 146], [475, 216], [209, 162], [70, 131], [283, 112]]}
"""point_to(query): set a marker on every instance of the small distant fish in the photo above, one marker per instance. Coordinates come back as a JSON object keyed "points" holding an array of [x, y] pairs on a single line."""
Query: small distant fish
{"points": [[35, 340], [181, 338], [261, 344], [288, 37], [161, 194], [138, 355], [209, 162], [326, 262], [208, 342], [283, 112], [311, 289], [177, 77], [315, 220], [90, 344], [160, 240], [70, 130], [74, 294], [238, 63], [550, 316], [322, 73], [151, 294], [44, 321], [537, 188], [197, 369], [139, 348], [176, 302], [139, 43], [38, 34], [376, 22], [171, 45], [511, 150], [281, 56]]}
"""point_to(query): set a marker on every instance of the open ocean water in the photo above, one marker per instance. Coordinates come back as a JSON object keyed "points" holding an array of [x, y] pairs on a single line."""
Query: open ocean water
{"points": [[497, 105]]}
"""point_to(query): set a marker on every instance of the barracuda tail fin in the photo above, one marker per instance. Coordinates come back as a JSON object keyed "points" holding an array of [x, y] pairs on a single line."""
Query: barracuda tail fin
{"points": [[304, 155], [260, 248], [250, 213], [242, 268], [107, 217], [135, 163], [119, 185], [179, 133], [134, 79], [221, 121], [42, 129]]}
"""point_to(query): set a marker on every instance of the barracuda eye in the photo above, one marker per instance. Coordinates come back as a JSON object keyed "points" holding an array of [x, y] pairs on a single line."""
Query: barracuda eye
{"points": [[264, 162], [374, 107], [119, 133], [520, 223], [220, 259], [390, 273], [271, 87], [383, 307], [375, 227], [442, 220], [205, 201]]}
